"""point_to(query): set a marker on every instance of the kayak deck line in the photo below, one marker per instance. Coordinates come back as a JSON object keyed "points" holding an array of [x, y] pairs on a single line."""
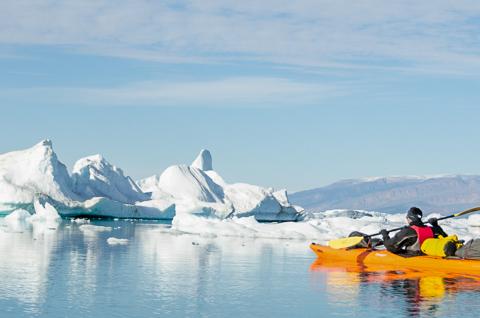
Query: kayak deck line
{"points": [[369, 257]]}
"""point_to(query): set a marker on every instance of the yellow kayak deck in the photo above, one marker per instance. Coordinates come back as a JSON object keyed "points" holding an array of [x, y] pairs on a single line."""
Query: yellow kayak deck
{"points": [[369, 257]]}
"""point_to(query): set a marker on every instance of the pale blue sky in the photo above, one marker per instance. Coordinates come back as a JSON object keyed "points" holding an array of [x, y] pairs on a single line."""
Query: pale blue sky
{"points": [[285, 94]]}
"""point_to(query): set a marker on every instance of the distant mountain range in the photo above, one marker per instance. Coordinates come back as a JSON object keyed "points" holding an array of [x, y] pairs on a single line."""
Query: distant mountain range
{"points": [[441, 194]]}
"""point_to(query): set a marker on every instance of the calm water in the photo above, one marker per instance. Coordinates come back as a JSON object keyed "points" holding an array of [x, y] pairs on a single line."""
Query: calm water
{"points": [[66, 272]]}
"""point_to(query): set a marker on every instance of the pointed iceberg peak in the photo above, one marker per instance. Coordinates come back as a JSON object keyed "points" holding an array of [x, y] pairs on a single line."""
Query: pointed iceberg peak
{"points": [[203, 161], [97, 157], [97, 163], [45, 142], [94, 176], [43, 149], [91, 160], [26, 173]]}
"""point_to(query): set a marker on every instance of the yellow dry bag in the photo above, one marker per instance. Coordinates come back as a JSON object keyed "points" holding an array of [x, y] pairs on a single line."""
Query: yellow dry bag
{"points": [[439, 246]]}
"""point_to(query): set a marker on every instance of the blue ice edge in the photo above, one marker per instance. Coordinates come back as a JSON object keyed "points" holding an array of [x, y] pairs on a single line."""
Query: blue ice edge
{"points": [[79, 212]]}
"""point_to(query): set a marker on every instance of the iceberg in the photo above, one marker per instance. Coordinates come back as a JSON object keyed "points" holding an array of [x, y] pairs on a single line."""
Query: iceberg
{"points": [[27, 173], [94, 176], [198, 189], [97, 188], [44, 218], [45, 212]]}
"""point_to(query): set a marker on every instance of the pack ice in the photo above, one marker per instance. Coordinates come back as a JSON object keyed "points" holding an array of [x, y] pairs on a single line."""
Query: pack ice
{"points": [[96, 188]]}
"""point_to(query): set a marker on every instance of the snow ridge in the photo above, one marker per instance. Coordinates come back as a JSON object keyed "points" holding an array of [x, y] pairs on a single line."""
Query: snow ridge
{"points": [[94, 176]]}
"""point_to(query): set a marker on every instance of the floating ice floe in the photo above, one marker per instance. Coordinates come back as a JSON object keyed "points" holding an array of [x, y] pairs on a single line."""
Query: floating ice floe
{"points": [[44, 218], [94, 228], [320, 227], [474, 220], [117, 241], [80, 220]]}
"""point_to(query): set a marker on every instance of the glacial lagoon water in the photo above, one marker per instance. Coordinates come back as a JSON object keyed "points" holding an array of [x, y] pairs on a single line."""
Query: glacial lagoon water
{"points": [[71, 271]]}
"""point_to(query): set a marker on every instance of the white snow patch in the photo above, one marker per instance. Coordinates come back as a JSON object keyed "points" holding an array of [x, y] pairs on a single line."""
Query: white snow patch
{"points": [[245, 227], [94, 228], [474, 220], [80, 220], [117, 241]]}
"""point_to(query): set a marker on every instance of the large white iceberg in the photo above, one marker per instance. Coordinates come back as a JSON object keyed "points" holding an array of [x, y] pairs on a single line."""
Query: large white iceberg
{"points": [[27, 173], [96, 188], [198, 189]]}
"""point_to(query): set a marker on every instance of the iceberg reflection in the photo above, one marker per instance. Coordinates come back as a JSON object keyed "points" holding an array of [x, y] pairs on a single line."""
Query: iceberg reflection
{"points": [[24, 263]]}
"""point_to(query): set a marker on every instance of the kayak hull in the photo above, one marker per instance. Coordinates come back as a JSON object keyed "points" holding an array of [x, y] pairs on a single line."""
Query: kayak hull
{"points": [[374, 258]]}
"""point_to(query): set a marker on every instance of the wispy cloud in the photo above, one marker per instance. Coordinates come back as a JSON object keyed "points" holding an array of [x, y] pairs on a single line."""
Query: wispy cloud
{"points": [[229, 92], [406, 35]]}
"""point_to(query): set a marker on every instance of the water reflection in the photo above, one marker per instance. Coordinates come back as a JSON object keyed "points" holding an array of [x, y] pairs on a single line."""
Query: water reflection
{"points": [[64, 271], [422, 292], [208, 275], [25, 254]]}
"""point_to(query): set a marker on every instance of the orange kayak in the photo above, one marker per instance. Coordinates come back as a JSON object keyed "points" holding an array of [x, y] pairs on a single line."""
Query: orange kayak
{"points": [[371, 258]]}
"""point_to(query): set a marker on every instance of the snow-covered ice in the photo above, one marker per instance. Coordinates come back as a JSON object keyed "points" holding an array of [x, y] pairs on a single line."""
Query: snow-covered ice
{"points": [[37, 190], [320, 227], [117, 241], [203, 161], [198, 189], [97, 188], [44, 212], [94, 228], [94, 176], [26, 173], [45, 218], [474, 220], [80, 220]]}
